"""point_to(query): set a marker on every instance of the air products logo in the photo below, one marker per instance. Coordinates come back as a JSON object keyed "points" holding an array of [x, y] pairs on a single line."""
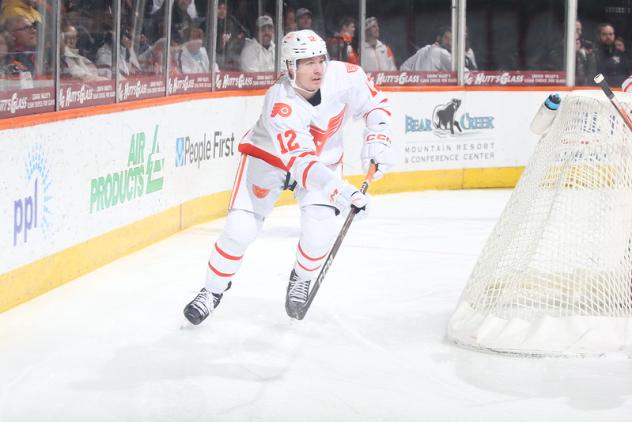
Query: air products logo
{"points": [[32, 211], [143, 175]]}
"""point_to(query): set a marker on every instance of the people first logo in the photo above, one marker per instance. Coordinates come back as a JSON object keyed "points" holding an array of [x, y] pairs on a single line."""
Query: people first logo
{"points": [[32, 211]]}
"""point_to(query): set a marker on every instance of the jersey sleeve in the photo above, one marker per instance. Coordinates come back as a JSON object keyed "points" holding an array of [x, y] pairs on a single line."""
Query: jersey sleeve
{"points": [[365, 97]]}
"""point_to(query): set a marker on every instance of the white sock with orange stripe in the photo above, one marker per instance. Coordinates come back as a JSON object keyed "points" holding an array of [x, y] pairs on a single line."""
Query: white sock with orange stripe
{"points": [[318, 230], [241, 229]]}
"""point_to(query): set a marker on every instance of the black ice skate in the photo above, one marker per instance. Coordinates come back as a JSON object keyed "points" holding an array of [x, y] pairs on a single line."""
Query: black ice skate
{"points": [[201, 307], [297, 292]]}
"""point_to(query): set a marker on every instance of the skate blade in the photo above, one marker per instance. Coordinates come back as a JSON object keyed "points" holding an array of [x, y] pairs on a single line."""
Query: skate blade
{"points": [[186, 325], [296, 314]]}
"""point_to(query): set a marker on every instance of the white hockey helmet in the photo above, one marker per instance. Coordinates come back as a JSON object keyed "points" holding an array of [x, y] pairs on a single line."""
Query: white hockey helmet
{"points": [[298, 45]]}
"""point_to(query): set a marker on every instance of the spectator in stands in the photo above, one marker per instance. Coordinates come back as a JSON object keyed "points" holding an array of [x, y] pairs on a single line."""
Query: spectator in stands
{"points": [[585, 62], [72, 63], [375, 54], [191, 9], [152, 61], [24, 8], [180, 21], [90, 18], [258, 53], [4, 52], [143, 43], [193, 57], [8, 73], [4, 48], [619, 45], [303, 19], [128, 63], [231, 37], [22, 35], [290, 21], [433, 57], [340, 45], [470, 57], [610, 62], [246, 15], [579, 29]]}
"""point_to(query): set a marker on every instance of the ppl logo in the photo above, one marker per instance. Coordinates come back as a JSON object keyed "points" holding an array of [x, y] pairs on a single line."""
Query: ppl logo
{"points": [[32, 211], [180, 154]]}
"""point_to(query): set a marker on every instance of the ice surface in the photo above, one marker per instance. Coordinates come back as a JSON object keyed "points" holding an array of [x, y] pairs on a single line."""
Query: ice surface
{"points": [[110, 347]]}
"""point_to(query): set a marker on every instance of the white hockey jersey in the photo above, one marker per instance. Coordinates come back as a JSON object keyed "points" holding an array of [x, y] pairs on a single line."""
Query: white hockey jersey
{"points": [[293, 135], [626, 86]]}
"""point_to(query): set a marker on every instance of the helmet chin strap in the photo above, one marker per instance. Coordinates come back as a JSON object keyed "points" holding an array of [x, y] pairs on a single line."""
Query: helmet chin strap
{"points": [[296, 86], [292, 78]]}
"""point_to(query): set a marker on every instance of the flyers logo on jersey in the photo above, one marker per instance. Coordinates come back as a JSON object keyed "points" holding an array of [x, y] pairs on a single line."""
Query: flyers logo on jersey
{"points": [[260, 192], [351, 67], [282, 109]]}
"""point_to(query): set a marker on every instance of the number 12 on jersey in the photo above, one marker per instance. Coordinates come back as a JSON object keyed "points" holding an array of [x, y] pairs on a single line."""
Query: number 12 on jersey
{"points": [[287, 141]]}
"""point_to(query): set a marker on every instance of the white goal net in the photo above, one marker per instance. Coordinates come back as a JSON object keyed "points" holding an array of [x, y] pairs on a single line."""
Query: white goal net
{"points": [[555, 277]]}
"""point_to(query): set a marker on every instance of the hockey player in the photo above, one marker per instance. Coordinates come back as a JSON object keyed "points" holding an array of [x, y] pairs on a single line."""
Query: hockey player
{"points": [[626, 86], [297, 144]]}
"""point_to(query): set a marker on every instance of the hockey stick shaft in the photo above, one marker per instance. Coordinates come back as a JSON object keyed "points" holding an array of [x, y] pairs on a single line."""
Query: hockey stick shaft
{"points": [[336, 245], [601, 81]]}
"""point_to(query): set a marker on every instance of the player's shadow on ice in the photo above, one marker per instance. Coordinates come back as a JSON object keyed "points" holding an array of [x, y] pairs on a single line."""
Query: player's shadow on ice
{"points": [[253, 348]]}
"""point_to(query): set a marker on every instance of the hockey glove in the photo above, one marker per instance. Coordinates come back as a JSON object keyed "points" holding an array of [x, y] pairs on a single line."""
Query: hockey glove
{"points": [[344, 195], [377, 147]]}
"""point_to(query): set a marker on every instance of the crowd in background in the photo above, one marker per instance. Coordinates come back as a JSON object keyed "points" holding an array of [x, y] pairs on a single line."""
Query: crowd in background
{"points": [[245, 41], [605, 54]]}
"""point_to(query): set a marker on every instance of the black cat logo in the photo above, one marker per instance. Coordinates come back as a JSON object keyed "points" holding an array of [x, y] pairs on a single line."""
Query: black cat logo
{"points": [[443, 116]]}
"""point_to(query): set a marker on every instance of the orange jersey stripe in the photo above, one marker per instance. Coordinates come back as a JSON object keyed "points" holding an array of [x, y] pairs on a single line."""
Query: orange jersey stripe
{"points": [[308, 269], [219, 273], [225, 255], [366, 115], [250, 149], [309, 166], [307, 256], [239, 175]]}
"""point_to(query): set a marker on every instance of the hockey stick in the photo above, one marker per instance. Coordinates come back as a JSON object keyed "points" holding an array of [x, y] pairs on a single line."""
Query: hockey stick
{"points": [[334, 249], [601, 81]]}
